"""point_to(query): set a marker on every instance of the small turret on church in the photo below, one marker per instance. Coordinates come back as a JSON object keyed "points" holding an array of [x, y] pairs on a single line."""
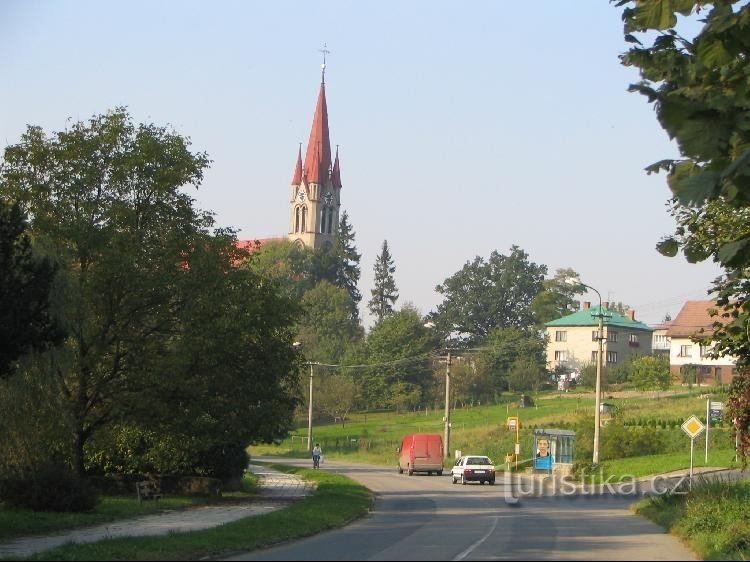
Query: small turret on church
{"points": [[316, 184]]}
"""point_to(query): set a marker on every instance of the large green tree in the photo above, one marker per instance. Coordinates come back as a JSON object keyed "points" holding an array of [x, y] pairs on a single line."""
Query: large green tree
{"points": [[557, 299], [504, 348], [26, 281], [488, 294], [699, 87], [399, 349], [285, 262], [385, 293], [146, 314], [338, 263], [326, 328]]}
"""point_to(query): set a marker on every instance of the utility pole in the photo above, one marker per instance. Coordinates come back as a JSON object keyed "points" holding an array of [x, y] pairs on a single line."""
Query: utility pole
{"points": [[597, 414], [447, 438], [309, 412]]}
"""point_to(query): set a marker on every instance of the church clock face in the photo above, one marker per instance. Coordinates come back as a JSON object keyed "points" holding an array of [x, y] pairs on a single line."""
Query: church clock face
{"points": [[328, 198], [301, 195]]}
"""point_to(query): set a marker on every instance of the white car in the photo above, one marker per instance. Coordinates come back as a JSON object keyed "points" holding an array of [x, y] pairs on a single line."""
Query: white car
{"points": [[473, 468]]}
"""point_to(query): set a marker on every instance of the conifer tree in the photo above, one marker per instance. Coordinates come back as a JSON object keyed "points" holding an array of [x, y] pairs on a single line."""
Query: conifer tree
{"points": [[385, 293]]}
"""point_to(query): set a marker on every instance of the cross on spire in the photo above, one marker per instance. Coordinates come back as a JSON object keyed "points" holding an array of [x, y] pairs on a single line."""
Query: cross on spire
{"points": [[325, 52]]}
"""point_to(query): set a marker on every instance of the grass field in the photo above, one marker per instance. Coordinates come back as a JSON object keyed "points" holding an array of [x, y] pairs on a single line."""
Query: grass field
{"points": [[374, 436]]}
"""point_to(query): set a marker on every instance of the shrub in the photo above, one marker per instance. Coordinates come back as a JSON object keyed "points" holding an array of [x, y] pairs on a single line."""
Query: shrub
{"points": [[49, 487], [618, 441]]}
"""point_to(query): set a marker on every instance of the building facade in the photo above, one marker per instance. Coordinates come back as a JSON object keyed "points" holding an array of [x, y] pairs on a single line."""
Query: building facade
{"points": [[689, 359], [573, 340]]}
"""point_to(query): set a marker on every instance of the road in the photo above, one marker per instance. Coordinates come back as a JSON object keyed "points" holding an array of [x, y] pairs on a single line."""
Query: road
{"points": [[429, 518]]}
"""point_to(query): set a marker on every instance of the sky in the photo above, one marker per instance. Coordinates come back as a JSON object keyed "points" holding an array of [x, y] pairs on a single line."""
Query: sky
{"points": [[463, 128]]}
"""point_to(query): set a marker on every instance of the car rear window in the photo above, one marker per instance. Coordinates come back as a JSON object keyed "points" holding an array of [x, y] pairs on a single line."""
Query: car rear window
{"points": [[478, 460]]}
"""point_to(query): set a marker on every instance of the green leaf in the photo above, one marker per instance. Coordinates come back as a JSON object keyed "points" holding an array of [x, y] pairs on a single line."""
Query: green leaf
{"points": [[697, 188], [734, 253], [668, 247], [657, 167]]}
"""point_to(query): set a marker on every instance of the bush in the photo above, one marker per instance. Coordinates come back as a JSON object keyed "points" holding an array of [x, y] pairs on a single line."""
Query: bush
{"points": [[49, 487], [618, 441]]}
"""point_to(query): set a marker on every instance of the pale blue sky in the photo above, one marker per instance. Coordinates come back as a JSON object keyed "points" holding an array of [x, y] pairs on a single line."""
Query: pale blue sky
{"points": [[463, 127]]}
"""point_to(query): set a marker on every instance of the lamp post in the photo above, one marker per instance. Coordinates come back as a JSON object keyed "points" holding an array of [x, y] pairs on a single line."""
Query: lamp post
{"points": [[447, 438], [599, 358], [298, 345]]}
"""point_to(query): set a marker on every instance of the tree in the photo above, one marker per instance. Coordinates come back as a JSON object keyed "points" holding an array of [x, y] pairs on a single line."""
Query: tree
{"points": [[526, 374], [403, 342], [385, 294], [699, 89], [156, 308], [26, 321], [650, 372], [557, 298], [326, 327], [336, 395], [488, 294], [504, 347], [338, 263], [285, 262]]}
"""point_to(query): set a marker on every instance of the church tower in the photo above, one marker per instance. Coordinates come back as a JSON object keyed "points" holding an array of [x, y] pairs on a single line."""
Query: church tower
{"points": [[316, 184]]}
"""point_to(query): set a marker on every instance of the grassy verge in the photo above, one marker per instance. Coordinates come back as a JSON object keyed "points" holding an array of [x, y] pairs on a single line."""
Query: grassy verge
{"points": [[667, 462], [713, 518], [336, 501], [19, 522]]}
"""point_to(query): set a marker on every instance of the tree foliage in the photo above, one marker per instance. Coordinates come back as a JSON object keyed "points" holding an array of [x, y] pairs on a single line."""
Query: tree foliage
{"points": [[699, 87], [164, 330], [650, 372], [385, 293], [26, 280], [504, 348], [496, 293], [558, 296], [338, 263], [403, 342]]}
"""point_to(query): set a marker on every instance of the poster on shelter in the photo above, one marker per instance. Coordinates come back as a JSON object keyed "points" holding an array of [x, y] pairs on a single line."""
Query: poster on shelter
{"points": [[543, 459]]}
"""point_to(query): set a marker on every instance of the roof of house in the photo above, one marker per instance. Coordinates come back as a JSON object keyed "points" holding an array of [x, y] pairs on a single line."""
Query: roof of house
{"points": [[694, 317], [254, 244], [590, 317]]}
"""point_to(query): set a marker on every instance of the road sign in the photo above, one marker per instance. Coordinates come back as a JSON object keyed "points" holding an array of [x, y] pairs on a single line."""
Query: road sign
{"points": [[715, 410], [513, 423], [693, 427]]}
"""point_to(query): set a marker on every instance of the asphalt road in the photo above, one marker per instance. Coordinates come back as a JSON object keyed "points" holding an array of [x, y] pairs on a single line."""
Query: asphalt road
{"points": [[429, 518]]}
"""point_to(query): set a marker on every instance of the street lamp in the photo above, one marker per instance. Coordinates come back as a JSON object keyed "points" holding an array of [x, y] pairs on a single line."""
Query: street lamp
{"points": [[599, 359], [298, 345]]}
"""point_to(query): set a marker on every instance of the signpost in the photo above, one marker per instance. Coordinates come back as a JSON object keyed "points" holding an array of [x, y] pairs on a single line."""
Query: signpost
{"points": [[693, 427], [514, 424], [713, 414]]}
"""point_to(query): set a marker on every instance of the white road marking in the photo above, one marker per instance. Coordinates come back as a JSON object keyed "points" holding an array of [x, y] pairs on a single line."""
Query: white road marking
{"points": [[469, 550]]}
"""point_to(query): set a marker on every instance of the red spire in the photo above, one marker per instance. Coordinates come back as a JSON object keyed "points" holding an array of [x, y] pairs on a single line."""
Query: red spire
{"points": [[318, 157], [297, 179], [336, 172]]}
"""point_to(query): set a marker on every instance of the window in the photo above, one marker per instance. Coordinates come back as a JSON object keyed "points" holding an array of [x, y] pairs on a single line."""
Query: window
{"points": [[561, 356], [633, 340], [330, 220], [594, 355], [611, 357], [561, 335], [304, 219], [323, 214], [595, 335], [611, 336], [686, 351], [704, 350], [296, 219]]}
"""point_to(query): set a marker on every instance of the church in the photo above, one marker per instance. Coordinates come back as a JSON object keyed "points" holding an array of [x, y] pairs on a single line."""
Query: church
{"points": [[315, 191]]}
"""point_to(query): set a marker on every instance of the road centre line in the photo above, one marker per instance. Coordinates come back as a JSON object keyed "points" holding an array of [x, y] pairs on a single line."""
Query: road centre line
{"points": [[469, 550]]}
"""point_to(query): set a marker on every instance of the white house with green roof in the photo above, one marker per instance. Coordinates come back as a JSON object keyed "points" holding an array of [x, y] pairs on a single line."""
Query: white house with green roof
{"points": [[572, 341]]}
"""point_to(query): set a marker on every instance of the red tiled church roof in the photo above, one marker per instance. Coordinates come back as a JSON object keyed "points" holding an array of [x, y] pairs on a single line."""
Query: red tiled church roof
{"points": [[254, 244], [297, 179], [318, 157]]}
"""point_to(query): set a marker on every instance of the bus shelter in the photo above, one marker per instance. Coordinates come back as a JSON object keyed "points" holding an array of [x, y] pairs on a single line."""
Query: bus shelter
{"points": [[553, 449]]}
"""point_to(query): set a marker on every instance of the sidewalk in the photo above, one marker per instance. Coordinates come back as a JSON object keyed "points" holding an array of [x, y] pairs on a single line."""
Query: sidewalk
{"points": [[277, 490]]}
